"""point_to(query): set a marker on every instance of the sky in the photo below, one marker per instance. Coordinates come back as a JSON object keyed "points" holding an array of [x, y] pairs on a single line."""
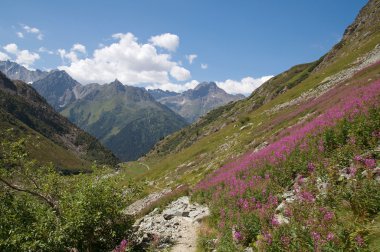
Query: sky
{"points": [[172, 44]]}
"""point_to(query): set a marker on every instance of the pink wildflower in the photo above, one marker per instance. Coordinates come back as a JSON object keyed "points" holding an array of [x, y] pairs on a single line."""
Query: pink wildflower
{"points": [[370, 163], [311, 167], [307, 196], [268, 237], [330, 236], [359, 240], [275, 222], [328, 216], [285, 240]]}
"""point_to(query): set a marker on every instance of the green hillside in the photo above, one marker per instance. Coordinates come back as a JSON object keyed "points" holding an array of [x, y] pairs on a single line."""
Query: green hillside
{"points": [[26, 114], [125, 119]]}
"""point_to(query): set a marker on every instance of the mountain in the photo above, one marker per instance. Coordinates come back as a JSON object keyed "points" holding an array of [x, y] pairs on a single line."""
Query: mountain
{"points": [[229, 131], [57, 88], [300, 153], [159, 93], [125, 119], [59, 141], [15, 71], [193, 103]]}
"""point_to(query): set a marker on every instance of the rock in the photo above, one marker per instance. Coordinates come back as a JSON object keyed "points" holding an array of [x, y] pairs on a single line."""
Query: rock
{"points": [[280, 207], [281, 219], [177, 223]]}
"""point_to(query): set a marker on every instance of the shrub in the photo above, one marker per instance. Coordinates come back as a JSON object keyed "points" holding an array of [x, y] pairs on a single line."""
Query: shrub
{"points": [[42, 210]]}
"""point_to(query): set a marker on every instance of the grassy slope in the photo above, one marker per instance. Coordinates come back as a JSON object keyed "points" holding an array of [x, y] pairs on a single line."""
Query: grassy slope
{"points": [[46, 150], [187, 158], [58, 140]]}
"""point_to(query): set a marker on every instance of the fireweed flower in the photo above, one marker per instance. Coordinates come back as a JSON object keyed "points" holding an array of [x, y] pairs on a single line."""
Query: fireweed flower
{"points": [[307, 196], [370, 163], [285, 240], [359, 240], [330, 236], [328, 216], [311, 167], [351, 171], [268, 237], [358, 158], [238, 236], [275, 222]]}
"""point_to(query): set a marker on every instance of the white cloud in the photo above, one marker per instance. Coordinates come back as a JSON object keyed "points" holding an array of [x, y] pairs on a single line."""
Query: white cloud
{"points": [[11, 48], [127, 60], [79, 48], [33, 30], [244, 86], [191, 84], [45, 50], [168, 41], [23, 57], [204, 66], [20, 34], [175, 87], [191, 58], [180, 73], [72, 55], [4, 56]]}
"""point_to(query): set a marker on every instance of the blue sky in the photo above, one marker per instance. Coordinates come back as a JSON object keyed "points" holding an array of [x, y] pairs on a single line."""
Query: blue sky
{"points": [[235, 41]]}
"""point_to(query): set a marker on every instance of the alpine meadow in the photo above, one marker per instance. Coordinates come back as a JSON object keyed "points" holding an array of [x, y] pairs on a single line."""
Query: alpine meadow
{"points": [[190, 126]]}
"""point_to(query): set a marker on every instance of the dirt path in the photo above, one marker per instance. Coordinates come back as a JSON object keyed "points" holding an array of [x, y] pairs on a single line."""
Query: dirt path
{"points": [[175, 227], [146, 166], [188, 240]]}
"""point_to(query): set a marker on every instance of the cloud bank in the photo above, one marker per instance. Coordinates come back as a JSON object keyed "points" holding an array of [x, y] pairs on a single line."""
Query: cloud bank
{"points": [[127, 60], [22, 57]]}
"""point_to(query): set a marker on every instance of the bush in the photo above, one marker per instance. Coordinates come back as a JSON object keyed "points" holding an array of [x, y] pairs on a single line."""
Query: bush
{"points": [[42, 210]]}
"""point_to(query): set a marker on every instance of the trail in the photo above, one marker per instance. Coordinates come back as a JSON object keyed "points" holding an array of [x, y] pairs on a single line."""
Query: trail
{"points": [[176, 226], [147, 166], [188, 240]]}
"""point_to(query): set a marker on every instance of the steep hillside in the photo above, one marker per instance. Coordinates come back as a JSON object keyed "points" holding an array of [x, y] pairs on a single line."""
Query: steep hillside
{"points": [[218, 118], [194, 103], [229, 131], [295, 166], [59, 141], [125, 119], [15, 71]]}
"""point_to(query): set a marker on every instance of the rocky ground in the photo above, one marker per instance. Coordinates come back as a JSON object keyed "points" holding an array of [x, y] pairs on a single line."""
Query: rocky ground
{"points": [[175, 227]]}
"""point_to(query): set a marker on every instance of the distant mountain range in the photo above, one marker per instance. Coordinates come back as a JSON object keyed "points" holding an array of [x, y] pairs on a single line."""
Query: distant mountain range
{"points": [[28, 114], [128, 120], [15, 71], [196, 102]]}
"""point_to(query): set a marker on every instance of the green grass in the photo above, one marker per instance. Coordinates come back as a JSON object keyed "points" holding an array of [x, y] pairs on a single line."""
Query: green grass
{"points": [[374, 234], [134, 169], [46, 151]]}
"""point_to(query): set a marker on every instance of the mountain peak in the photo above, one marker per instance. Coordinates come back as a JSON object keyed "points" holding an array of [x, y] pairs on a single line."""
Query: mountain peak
{"points": [[194, 103], [57, 88], [15, 71], [205, 84], [116, 82]]}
